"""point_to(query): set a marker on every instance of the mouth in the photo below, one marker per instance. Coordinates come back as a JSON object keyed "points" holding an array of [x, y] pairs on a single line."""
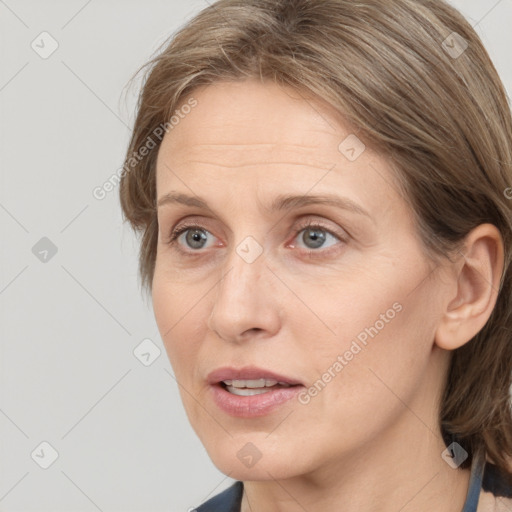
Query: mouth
{"points": [[252, 387], [250, 392]]}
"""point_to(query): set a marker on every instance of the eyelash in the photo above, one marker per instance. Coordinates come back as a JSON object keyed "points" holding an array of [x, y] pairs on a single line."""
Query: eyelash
{"points": [[304, 226]]}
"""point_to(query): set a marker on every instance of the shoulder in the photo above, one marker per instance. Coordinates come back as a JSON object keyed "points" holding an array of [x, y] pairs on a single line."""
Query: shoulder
{"points": [[494, 481], [228, 500], [488, 502], [496, 492]]}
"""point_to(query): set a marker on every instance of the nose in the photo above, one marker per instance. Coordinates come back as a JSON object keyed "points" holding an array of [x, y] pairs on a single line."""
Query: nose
{"points": [[246, 301]]}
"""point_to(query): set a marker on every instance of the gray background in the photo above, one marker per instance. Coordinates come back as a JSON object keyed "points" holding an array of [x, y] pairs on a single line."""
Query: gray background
{"points": [[70, 323]]}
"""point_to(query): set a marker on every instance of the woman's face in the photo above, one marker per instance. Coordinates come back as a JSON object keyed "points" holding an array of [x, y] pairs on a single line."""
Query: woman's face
{"points": [[345, 310]]}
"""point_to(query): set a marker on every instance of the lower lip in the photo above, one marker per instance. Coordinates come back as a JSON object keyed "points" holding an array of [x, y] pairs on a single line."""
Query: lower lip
{"points": [[255, 405]]}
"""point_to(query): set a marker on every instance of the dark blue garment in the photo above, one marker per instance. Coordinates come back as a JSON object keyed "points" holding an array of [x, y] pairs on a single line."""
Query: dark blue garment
{"points": [[485, 476], [227, 501]]}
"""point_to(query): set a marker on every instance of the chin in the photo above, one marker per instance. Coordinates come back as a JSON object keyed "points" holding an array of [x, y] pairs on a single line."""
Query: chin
{"points": [[261, 471], [245, 460]]}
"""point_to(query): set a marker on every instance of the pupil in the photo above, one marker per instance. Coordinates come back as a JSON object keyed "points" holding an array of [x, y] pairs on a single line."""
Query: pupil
{"points": [[316, 238], [196, 238]]}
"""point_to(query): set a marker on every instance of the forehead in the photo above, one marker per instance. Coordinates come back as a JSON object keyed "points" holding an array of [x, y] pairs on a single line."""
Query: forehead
{"points": [[243, 120], [257, 137]]}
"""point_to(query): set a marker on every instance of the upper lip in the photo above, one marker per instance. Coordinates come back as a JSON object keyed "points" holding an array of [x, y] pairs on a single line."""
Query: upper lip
{"points": [[248, 373]]}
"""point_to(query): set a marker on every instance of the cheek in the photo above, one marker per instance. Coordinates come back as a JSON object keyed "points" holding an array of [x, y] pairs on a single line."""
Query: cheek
{"points": [[360, 398], [342, 314], [371, 338], [178, 315]]}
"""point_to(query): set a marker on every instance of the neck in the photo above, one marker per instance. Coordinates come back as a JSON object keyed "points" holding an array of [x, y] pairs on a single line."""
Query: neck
{"points": [[401, 470]]}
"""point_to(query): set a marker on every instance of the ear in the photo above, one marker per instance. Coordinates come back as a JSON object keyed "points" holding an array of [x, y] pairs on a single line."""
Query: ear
{"points": [[477, 276]]}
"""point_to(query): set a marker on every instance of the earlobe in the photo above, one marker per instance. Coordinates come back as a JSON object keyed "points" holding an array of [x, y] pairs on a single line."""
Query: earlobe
{"points": [[478, 273]]}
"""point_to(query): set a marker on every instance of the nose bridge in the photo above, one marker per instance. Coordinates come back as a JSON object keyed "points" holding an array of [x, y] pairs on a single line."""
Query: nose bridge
{"points": [[242, 300], [243, 274]]}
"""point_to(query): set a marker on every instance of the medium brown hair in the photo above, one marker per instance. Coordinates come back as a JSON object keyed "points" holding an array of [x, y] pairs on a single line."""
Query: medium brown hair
{"points": [[395, 70]]}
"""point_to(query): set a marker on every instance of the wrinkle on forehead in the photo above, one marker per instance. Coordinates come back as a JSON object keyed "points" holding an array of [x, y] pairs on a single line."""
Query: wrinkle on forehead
{"points": [[235, 109], [241, 155]]}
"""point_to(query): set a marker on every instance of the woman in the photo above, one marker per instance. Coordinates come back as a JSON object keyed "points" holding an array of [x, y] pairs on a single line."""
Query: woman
{"points": [[324, 193]]}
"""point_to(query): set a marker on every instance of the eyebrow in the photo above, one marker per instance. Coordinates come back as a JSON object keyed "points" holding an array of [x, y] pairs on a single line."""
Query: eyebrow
{"points": [[280, 203]]}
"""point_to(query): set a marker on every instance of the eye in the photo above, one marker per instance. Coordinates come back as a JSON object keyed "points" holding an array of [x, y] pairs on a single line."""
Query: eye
{"points": [[315, 236], [309, 236], [193, 237]]}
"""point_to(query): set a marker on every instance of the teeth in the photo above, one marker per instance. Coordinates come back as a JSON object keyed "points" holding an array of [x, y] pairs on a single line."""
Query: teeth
{"points": [[251, 387], [247, 391], [252, 384]]}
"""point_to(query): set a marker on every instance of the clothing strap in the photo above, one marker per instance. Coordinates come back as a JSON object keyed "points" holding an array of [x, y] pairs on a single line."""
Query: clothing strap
{"points": [[475, 482]]}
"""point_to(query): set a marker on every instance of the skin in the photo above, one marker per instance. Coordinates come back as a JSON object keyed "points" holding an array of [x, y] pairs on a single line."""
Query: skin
{"points": [[370, 439]]}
